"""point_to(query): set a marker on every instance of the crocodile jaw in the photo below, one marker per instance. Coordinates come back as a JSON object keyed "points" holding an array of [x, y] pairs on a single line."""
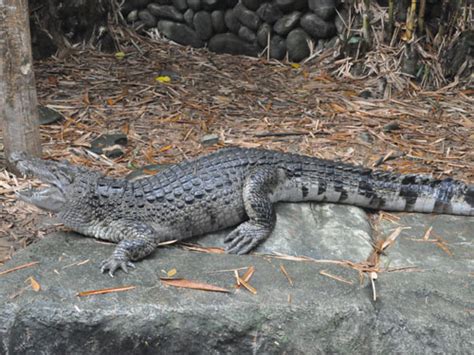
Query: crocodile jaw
{"points": [[49, 198]]}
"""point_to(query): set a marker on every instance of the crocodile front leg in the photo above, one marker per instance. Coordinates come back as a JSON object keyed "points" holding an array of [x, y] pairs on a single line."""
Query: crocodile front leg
{"points": [[257, 190], [139, 241]]}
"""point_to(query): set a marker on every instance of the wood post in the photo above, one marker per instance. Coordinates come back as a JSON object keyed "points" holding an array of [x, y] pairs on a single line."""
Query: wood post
{"points": [[18, 101]]}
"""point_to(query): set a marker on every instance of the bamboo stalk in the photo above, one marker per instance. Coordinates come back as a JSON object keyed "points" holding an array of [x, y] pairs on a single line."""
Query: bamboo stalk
{"points": [[443, 22], [465, 7], [366, 22], [391, 21], [421, 17], [410, 21]]}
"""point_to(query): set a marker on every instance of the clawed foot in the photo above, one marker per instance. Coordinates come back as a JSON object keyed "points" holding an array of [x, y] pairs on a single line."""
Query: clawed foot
{"points": [[244, 238], [111, 265]]}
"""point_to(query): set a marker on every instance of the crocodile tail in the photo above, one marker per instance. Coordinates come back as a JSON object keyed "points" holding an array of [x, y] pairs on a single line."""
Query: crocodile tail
{"points": [[417, 193]]}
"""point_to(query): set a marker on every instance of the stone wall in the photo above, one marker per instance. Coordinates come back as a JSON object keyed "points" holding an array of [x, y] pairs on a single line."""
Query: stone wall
{"points": [[239, 26]]}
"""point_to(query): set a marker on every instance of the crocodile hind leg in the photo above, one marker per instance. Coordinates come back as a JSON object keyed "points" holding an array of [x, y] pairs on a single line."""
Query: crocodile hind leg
{"points": [[139, 240], [257, 190]]}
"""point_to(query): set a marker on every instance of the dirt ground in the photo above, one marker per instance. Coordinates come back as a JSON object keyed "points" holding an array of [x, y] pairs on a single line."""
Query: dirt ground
{"points": [[167, 97]]}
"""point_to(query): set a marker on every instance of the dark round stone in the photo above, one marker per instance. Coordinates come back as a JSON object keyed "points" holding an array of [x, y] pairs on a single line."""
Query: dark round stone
{"points": [[218, 23], [167, 12], [297, 45], [132, 16], [231, 21], [291, 5], [269, 12], [194, 4], [286, 23], [181, 5], [147, 18], [203, 24], [316, 27], [210, 4], [262, 34], [47, 115], [100, 144], [188, 17], [247, 17], [180, 33], [247, 34], [136, 4], [252, 4], [230, 43], [323, 8], [277, 47]]}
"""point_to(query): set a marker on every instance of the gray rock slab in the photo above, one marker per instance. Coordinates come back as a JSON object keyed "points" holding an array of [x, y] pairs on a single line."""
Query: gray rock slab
{"points": [[417, 312], [320, 231]]}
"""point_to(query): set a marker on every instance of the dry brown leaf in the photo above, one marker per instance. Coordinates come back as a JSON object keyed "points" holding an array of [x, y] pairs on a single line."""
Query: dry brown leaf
{"points": [[247, 285], [428, 233], [325, 273], [248, 274], [104, 291], [392, 237], [283, 270], [208, 250], [183, 283], [442, 244]]}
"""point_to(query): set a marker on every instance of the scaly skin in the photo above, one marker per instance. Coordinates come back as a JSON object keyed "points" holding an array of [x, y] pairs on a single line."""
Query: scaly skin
{"points": [[222, 189]]}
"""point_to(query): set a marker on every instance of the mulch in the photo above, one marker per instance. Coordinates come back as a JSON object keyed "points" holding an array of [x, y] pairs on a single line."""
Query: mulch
{"points": [[166, 97]]}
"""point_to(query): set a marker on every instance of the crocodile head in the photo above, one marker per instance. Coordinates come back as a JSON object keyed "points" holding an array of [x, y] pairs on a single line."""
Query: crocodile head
{"points": [[59, 176]]}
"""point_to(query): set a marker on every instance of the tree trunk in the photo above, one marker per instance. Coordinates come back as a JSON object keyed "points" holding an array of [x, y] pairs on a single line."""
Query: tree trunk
{"points": [[18, 101]]}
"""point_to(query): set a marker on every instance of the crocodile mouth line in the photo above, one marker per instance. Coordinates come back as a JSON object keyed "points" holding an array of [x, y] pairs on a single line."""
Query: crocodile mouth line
{"points": [[34, 192]]}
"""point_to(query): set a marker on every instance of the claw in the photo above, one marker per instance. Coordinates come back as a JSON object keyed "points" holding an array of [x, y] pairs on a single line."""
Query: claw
{"points": [[112, 265], [244, 238], [241, 245]]}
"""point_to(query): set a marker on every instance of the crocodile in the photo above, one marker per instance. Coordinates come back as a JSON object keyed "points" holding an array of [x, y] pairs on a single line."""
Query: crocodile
{"points": [[229, 187]]}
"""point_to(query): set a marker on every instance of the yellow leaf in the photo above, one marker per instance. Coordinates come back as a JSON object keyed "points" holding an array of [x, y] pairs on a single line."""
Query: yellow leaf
{"points": [[120, 55], [34, 284], [165, 148], [163, 79]]}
